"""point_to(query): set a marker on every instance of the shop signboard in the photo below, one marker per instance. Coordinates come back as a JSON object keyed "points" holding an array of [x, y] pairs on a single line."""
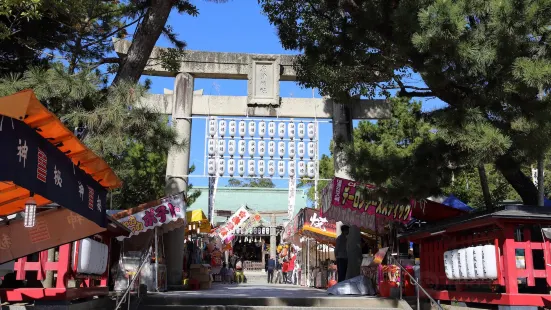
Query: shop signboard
{"points": [[235, 222], [350, 195], [170, 210]]}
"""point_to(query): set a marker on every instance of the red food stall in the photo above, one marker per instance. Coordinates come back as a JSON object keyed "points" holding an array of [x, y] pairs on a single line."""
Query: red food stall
{"points": [[499, 257]]}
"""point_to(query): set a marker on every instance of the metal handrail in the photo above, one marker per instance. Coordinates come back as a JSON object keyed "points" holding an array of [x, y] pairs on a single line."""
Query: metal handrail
{"points": [[129, 288], [418, 285]]}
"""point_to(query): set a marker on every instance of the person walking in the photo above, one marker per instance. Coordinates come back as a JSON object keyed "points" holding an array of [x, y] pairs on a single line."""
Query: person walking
{"points": [[279, 274], [224, 274], [341, 253], [291, 271], [270, 267], [285, 270], [239, 276]]}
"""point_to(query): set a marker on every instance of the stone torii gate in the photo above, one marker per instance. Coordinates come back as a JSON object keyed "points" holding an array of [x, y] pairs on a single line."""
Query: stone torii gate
{"points": [[263, 72]]}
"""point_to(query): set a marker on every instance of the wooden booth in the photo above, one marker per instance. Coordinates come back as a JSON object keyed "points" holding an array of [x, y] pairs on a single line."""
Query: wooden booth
{"points": [[500, 258], [53, 191]]}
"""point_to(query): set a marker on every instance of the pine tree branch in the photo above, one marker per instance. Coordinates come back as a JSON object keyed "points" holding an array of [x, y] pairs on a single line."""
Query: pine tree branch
{"points": [[405, 93], [114, 32]]}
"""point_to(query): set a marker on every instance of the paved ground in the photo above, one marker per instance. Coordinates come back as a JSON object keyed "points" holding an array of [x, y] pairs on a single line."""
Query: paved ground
{"points": [[219, 290]]}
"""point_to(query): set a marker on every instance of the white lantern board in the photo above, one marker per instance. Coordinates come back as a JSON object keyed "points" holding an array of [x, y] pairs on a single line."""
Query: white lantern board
{"points": [[267, 148]]}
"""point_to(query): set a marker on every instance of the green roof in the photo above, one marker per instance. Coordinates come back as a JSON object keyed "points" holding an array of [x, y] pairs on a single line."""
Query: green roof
{"points": [[259, 199]]}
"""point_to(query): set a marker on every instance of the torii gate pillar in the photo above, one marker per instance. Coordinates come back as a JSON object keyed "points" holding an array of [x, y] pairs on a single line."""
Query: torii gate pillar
{"points": [[177, 170]]}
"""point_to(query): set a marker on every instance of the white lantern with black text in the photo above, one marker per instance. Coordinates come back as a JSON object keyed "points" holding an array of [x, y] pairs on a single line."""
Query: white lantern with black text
{"points": [[291, 168], [262, 129], [211, 166], [222, 128], [252, 148], [301, 149], [252, 128], [241, 167], [221, 147], [301, 168], [251, 167], [311, 169], [271, 148], [242, 128], [231, 167], [311, 130], [271, 167], [281, 130], [212, 127], [232, 128], [261, 148], [291, 149], [281, 149], [211, 146], [311, 149], [30, 213], [301, 130], [231, 147], [271, 129], [281, 168], [261, 168], [241, 147], [291, 130], [221, 168]]}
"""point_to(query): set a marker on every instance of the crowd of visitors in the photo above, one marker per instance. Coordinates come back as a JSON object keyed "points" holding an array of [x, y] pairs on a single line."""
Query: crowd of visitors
{"points": [[234, 271], [286, 270]]}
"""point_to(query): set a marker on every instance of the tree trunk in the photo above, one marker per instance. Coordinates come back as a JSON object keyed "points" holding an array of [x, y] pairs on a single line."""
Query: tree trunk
{"points": [[541, 183], [520, 182], [146, 35], [485, 187]]}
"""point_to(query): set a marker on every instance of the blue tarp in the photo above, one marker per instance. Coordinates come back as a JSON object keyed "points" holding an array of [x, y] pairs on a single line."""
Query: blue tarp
{"points": [[455, 203]]}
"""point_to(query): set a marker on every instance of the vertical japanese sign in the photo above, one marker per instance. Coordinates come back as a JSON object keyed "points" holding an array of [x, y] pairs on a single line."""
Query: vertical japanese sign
{"points": [[32, 162], [213, 185], [292, 197]]}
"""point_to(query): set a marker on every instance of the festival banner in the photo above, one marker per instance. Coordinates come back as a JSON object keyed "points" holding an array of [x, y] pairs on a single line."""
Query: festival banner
{"points": [[235, 222], [254, 220], [171, 210], [292, 197], [349, 195]]}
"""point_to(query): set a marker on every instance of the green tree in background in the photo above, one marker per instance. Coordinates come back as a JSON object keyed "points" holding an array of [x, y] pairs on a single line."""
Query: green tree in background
{"points": [[488, 60], [266, 183]]}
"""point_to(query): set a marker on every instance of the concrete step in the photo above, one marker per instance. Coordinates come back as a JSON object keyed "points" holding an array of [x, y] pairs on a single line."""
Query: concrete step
{"points": [[193, 307]]}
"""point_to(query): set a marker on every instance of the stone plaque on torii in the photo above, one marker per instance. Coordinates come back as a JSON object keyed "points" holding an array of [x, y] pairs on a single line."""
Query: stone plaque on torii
{"points": [[263, 72]]}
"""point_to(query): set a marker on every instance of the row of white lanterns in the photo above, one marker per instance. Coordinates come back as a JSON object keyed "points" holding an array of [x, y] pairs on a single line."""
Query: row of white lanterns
{"points": [[271, 130], [258, 168], [241, 146]]}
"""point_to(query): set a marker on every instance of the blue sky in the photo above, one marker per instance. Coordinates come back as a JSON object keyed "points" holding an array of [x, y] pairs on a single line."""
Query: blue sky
{"points": [[236, 26]]}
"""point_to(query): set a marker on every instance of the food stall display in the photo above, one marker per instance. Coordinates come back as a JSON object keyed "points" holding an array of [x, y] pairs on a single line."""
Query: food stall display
{"points": [[61, 188]]}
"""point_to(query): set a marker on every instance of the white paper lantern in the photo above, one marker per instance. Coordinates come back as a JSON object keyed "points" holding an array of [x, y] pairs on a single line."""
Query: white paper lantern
{"points": [[231, 167], [261, 148], [221, 168], [261, 168], [301, 149], [212, 166], [281, 130], [242, 128], [241, 167], [231, 147], [252, 148], [212, 127], [281, 149], [232, 128], [271, 167], [311, 149], [251, 167], [252, 128], [301, 130], [291, 168], [222, 128], [242, 147], [311, 169], [262, 129], [211, 146], [271, 148], [271, 129], [291, 150], [291, 130], [221, 147], [311, 130], [281, 168], [301, 168]]}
